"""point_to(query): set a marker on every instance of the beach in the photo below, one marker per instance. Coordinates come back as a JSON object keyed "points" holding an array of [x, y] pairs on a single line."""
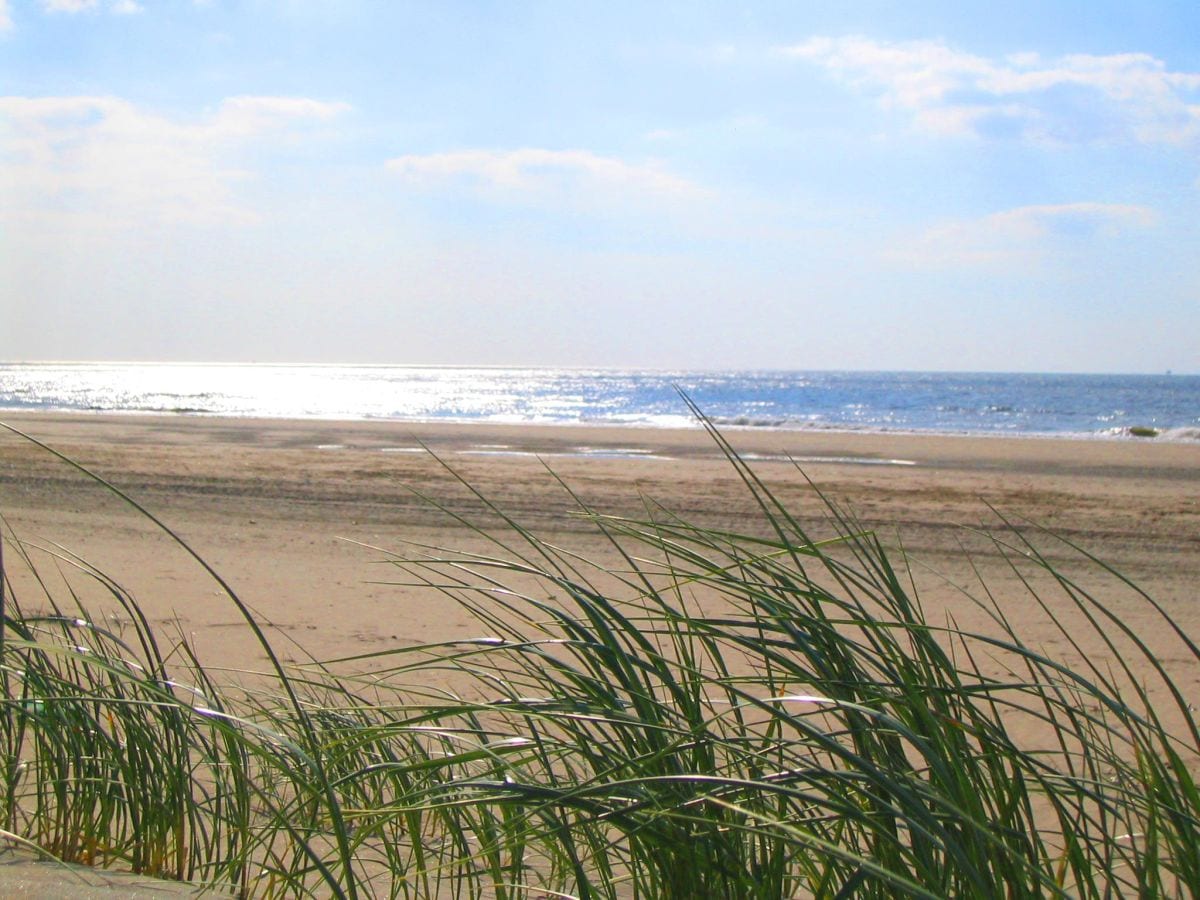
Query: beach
{"points": [[304, 519], [520, 451], [301, 517]]}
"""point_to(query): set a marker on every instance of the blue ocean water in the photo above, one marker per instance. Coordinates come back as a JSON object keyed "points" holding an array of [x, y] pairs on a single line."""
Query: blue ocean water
{"points": [[970, 403]]}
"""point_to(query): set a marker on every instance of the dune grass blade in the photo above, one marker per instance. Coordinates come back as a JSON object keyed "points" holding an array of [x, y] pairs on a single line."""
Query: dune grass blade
{"points": [[713, 714]]}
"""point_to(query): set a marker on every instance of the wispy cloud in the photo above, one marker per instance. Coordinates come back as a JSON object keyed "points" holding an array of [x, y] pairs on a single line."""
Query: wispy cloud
{"points": [[118, 7], [107, 158], [1075, 98], [69, 6], [249, 115], [1023, 234], [533, 173]]}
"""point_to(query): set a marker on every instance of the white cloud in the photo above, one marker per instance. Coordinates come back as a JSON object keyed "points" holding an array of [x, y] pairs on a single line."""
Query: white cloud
{"points": [[1079, 97], [572, 182], [117, 7], [1024, 234], [533, 171], [106, 159], [69, 6], [251, 115]]}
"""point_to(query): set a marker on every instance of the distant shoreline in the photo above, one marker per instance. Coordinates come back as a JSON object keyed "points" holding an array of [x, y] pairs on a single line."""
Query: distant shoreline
{"points": [[1185, 436], [595, 443]]}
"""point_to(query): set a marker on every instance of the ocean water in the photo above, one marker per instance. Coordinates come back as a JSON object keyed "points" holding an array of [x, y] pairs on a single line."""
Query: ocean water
{"points": [[1097, 406]]}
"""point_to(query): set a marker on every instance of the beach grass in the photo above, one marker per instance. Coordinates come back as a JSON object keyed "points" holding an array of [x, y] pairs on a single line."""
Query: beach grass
{"points": [[715, 714]]}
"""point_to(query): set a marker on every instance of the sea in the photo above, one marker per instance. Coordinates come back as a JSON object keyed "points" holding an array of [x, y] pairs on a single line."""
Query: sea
{"points": [[1166, 407]]}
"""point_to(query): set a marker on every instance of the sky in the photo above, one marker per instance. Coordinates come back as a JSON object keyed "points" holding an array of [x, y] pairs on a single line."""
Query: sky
{"points": [[963, 186]]}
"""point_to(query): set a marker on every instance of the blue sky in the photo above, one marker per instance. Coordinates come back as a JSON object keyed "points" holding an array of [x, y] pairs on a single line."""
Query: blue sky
{"points": [[954, 186]]}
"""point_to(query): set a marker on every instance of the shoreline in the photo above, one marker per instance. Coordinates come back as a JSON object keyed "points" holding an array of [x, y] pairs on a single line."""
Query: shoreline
{"points": [[561, 434], [1165, 435]]}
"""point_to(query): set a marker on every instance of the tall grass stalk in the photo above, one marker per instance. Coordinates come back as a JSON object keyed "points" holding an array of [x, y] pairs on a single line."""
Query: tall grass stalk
{"points": [[704, 714]]}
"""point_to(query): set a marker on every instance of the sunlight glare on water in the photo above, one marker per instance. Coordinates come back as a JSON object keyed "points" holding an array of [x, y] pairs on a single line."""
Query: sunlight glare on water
{"points": [[986, 403]]}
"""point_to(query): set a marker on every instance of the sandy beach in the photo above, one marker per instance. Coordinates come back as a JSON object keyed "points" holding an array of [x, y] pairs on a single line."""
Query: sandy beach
{"points": [[299, 516]]}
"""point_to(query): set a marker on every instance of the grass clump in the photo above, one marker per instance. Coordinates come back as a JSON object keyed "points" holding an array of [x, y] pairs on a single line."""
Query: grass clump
{"points": [[714, 715]]}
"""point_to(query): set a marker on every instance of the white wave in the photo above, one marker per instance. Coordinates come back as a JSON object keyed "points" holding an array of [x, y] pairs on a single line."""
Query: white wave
{"points": [[1180, 434]]}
